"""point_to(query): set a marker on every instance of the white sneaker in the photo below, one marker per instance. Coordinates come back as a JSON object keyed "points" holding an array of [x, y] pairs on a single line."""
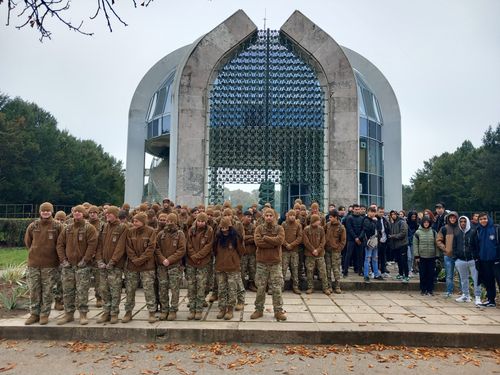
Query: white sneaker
{"points": [[463, 298], [477, 300]]}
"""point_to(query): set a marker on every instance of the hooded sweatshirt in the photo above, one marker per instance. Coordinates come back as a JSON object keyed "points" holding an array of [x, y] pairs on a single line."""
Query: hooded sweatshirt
{"points": [[462, 248], [445, 235], [486, 243]]}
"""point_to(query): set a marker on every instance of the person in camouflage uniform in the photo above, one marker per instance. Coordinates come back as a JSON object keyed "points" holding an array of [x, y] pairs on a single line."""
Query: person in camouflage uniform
{"points": [[335, 243], [140, 247], [41, 240], [76, 247], [314, 242], [211, 281], [199, 254], [110, 260], [170, 248], [98, 224], [269, 238], [290, 254], [248, 262], [57, 290], [228, 252]]}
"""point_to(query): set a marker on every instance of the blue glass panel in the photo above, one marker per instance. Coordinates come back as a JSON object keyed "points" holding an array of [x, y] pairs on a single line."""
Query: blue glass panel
{"points": [[363, 180], [372, 131], [363, 127], [165, 124]]}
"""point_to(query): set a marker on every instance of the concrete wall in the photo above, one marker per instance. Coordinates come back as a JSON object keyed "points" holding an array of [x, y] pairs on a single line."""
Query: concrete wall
{"points": [[152, 80], [193, 102], [343, 133], [391, 130]]}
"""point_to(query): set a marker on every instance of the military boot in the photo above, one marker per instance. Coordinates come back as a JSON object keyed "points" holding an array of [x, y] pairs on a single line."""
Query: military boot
{"points": [[296, 290], [252, 287], [114, 319], [44, 319], [221, 313], [239, 306], [32, 319], [58, 305], [152, 318], [127, 317], [83, 319], [213, 297], [198, 315], [98, 302], [163, 316], [104, 318], [280, 316], [257, 314], [229, 314], [172, 315], [191, 315], [68, 317]]}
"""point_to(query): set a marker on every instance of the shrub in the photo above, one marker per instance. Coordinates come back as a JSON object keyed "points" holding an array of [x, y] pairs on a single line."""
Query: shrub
{"points": [[12, 231]]}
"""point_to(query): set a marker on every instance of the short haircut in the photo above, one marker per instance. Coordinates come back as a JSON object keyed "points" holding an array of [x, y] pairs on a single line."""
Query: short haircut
{"points": [[372, 209]]}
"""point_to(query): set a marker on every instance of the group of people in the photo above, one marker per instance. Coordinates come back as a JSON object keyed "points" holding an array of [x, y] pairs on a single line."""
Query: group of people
{"points": [[223, 251]]}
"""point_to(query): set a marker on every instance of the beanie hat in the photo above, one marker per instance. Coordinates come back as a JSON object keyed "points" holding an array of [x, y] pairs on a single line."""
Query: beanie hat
{"points": [[46, 206], [314, 218], [80, 208], [227, 212], [291, 213], [296, 206], [210, 211], [156, 207], [126, 206], [315, 205], [122, 214], [113, 210], [202, 217], [268, 209], [60, 215], [93, 209], [143, 207], [225, 222], [163, 215], [166, 200], [227, 204], [172, 218], [303, 207], [86, 205], [142, 217]]}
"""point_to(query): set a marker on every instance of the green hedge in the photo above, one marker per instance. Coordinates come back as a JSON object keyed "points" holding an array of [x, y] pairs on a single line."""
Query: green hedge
{"points": [[12, 231]]}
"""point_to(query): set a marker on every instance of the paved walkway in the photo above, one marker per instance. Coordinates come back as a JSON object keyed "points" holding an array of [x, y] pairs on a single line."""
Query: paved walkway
{"points": [[362, 317]]}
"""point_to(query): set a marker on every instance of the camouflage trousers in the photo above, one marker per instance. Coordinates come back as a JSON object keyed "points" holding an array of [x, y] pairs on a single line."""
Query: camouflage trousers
{"points": [[57, 289], [148, 284], [311, 264], [333, 260], [169, 278], [197, 281], [290, 259], [211, 278], [76, 285], [111, 289], [40, 282], [97, 282], [248, 267], [272, 273], [302, 261], [228, 283]]}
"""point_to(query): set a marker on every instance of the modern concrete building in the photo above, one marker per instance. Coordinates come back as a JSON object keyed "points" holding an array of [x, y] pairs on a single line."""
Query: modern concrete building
{"points": [[242, 105]]}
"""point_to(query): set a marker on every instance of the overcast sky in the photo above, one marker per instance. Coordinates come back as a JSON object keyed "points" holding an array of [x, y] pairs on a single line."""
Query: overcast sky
{"points": [[442, 59]]}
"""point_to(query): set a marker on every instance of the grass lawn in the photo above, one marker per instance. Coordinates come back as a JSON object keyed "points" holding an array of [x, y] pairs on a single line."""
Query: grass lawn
{"points": [[12, 255]]}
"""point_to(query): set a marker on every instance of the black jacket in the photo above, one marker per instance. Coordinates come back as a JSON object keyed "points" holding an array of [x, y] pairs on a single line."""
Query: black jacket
{"points": [[354, 227], [462, 246], [369, 227]]}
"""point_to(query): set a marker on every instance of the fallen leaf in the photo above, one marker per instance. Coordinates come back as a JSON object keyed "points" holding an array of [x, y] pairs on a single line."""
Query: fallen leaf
{"points": [[9, 366]]}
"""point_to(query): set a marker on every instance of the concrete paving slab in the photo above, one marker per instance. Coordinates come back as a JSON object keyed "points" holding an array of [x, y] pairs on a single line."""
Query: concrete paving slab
{"points": [[403, 318], [331, 318], [359, 309], [324, 309], [366, 318]]}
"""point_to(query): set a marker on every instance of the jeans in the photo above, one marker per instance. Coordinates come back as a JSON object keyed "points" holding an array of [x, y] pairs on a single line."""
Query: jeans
{"points": [[410, 258], [465, 268], [449, 266], [371, 255]]}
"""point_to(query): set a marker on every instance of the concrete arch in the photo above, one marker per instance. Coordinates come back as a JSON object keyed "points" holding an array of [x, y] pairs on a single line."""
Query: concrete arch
{"points": [[343, 138], [193, 102]]}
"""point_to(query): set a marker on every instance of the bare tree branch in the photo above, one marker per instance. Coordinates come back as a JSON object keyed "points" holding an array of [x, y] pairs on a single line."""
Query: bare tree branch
{"points": [[37, 11]]}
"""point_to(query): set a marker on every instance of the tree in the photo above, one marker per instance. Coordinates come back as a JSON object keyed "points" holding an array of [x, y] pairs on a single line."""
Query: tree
{"points": [[36, 13], [467, 179], [39, 162]]}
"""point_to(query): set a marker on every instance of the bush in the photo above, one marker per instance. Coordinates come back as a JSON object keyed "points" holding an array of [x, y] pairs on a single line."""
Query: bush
{"points": [[12, 231]]}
